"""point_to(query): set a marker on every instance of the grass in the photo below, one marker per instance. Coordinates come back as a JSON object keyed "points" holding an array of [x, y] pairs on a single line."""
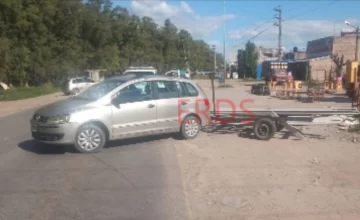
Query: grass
{"points": [[25, 93], [225, 86]]}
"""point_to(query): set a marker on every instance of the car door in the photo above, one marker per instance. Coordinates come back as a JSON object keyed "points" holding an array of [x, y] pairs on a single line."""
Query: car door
{"points": [[136, 114], [168, 93]]}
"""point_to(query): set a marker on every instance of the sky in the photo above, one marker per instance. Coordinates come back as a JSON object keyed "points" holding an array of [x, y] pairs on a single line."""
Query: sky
{"points": [[251, 20]]}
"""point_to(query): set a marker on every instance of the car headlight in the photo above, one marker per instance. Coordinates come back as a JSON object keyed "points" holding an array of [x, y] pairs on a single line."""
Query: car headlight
{"points": [[59, 119]]}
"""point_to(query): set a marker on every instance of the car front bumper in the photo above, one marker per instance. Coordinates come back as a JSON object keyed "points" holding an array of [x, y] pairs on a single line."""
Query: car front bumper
{"points": [[54, 133]]}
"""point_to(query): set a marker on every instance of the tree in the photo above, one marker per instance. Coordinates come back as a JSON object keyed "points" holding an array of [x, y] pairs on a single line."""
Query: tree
{"points": [[251, 57], [339, 63], [241, 63], [46, 41]]}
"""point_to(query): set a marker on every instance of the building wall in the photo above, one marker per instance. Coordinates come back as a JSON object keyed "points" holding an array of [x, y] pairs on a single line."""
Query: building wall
{"points": [[345, 45], [320, 67], [300, 55], [342, 45], [319, 47]]}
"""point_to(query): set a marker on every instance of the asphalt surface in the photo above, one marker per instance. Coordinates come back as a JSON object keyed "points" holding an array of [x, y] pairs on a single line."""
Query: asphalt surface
{"points": [[132, 179]]}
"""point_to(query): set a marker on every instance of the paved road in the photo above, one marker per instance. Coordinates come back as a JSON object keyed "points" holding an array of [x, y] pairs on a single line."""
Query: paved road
{"points": [[127, 180]]}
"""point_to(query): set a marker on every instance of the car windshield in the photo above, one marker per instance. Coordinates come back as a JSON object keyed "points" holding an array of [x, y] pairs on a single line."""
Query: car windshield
{"points": [[99, 90]]}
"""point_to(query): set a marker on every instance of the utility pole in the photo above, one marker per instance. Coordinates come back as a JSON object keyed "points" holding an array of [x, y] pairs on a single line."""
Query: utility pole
{"points": [[185, 54], [214, 49], [224, 43], [279, 24]]}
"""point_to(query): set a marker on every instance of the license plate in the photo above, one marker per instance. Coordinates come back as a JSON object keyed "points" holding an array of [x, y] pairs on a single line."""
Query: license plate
{"points": [[34, 128]]}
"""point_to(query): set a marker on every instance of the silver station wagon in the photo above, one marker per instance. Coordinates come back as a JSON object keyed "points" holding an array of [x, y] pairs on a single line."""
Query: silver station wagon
{"points": [[123, 107]]}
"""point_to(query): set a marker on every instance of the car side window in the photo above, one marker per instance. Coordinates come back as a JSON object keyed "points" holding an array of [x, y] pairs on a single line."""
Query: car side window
{"points": [[169, 89], [190, 90], [89, 80], [136, 92], [78, 80]]}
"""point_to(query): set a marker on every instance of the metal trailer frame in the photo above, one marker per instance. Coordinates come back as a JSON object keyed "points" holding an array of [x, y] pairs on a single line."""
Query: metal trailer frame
{"points": [[266, 122]]}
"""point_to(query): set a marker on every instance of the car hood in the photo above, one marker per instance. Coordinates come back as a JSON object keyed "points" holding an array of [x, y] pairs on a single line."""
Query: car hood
{"points": [[62, 107]]}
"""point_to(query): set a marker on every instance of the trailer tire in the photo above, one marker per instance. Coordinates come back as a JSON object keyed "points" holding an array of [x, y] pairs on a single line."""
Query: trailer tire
{"points": [[264, 129]]}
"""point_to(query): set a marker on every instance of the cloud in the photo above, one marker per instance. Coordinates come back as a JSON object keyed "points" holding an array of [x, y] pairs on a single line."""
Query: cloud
{"points": [[231, 54], [294, 33], [181, 14]]}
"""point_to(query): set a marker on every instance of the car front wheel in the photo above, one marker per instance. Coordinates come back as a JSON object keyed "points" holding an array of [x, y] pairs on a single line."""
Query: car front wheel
{"points": [[90, 139]]}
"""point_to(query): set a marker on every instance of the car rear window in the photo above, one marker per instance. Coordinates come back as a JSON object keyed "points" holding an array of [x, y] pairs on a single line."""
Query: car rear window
{"points": [[201, 89], [190, 89]]}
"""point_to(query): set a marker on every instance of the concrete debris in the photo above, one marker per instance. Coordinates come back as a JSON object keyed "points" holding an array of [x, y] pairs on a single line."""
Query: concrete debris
{"points": [[348, 122], [314, 161]]}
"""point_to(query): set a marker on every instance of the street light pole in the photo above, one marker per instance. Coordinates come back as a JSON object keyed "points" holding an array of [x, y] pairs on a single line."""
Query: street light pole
{"points": [[356, 44], [224, 44], [214, 49]]}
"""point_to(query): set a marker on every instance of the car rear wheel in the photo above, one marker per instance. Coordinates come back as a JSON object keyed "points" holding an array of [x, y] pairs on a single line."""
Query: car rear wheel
{"points": [[90, 139], [75, 91], [190, 127]]}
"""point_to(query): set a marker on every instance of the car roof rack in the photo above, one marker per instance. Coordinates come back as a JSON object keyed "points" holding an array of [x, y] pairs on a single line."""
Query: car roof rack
{"points": [[141, 68]]}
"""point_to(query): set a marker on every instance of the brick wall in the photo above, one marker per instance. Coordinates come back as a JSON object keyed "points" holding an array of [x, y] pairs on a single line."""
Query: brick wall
{"points": [[345, 45], [320, 66]]}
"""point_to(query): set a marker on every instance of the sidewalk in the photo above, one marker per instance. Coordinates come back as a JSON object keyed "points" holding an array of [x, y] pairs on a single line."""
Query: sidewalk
{"points": [[12, 107]]}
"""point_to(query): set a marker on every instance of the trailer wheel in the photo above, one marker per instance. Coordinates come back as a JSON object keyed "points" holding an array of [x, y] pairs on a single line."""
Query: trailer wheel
{"points": [[264, 129]]}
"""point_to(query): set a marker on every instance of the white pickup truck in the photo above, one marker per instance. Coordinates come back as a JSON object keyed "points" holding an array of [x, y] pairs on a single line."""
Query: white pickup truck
{"points": [[141, 70]]}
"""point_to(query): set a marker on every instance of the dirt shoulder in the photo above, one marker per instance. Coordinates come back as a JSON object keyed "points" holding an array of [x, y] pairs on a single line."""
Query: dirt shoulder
{"points": [[12, 107], [228, 175]]}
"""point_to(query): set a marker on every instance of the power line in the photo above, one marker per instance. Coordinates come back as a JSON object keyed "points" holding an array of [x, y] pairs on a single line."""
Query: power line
{"points": [[304, 13], [260, 26], [314, 9]]}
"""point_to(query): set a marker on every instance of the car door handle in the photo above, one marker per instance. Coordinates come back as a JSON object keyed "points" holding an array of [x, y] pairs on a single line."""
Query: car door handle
{"points": [[151, 106], [184, 103]]}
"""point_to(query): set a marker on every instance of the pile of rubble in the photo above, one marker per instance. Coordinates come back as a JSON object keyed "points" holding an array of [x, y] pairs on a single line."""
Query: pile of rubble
{"points": [[348, 123]]}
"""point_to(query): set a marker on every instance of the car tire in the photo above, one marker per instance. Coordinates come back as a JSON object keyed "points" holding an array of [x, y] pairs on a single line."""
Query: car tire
{"points": [[89, 138], [190, 128], [75, 91]]}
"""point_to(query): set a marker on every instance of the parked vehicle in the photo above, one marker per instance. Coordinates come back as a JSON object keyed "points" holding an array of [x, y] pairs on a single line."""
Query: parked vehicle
{"points": [[123, 107], [140, 71], [76, 85]]}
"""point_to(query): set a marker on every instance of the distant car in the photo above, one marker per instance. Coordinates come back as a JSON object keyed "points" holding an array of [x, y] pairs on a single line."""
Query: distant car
{"points": [[140, 71], [123, 107], [76, 85]]}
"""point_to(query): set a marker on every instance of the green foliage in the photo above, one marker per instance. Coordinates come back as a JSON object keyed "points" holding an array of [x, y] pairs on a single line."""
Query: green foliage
{"points": [[46, 41], [225, 86], [25, 93], [251, 59]]}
